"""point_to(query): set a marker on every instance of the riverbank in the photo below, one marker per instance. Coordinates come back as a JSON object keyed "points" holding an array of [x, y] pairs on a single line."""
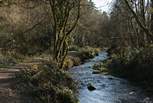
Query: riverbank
{"points": [[109, 89], [41, 80], [106, 86], [136, 69]]}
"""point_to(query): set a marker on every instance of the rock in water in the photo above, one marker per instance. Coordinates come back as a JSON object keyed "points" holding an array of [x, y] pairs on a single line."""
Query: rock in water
{"points": [[91, 87], [96, 72]]}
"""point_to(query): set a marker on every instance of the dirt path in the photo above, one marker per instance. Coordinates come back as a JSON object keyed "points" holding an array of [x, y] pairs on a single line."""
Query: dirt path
{"points": [[7, 93], [7, 83]]}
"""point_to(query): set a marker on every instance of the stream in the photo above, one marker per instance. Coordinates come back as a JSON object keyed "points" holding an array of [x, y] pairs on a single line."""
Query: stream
{"points": [[109, 89]]}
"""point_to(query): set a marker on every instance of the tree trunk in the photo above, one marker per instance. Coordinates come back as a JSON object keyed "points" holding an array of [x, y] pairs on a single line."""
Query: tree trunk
{"points": [[152, 17]]}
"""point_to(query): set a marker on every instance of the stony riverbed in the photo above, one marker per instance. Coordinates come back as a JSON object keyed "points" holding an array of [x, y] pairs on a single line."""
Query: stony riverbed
{"points": [[109, 89]]}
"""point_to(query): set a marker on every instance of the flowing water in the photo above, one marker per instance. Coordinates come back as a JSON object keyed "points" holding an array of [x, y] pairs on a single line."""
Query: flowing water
{"points": [[109, 89]]}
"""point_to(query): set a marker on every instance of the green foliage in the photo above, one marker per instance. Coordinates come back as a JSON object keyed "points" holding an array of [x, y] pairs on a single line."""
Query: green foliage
{"points": [[47, 84]]}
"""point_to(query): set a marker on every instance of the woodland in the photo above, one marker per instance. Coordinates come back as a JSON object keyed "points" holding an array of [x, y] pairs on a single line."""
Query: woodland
{"points": [[42, 40]]}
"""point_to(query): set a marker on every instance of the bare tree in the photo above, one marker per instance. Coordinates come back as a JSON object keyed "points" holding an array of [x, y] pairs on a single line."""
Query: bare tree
{"points": [[139, 20], [65, 15]]}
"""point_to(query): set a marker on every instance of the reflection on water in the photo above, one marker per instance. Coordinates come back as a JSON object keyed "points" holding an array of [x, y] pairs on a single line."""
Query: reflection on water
{"points": [[109, 89]]}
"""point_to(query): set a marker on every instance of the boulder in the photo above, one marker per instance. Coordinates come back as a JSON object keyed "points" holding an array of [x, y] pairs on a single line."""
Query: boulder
{"points": [[91, 87]]}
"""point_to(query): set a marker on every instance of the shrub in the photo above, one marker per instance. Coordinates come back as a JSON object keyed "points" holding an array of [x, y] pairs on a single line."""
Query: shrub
{"points": [[7, 60], [71, 61], [88, 52], [136, 65], [47, 84], [140, 66], [68, 63], [97, 50]]}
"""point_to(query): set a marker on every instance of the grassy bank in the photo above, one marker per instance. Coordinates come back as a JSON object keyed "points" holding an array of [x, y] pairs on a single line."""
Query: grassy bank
{"points": [[46, 83], [77, 55], [137, 67]]}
